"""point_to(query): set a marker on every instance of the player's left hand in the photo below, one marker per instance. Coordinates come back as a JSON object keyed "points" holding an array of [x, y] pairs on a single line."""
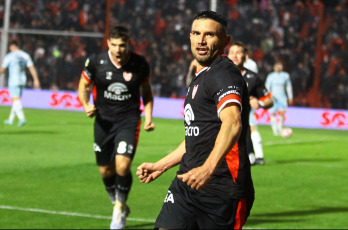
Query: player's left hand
{"points": [[149, 126], [196, 178], [254, 103]]}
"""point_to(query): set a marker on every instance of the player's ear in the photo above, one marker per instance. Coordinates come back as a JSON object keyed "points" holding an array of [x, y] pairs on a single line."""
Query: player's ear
{"points": [[108, 42]]}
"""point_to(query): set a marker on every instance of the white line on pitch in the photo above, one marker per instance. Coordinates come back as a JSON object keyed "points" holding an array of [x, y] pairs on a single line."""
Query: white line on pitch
{"points": [[70, 213], [269, 143]]}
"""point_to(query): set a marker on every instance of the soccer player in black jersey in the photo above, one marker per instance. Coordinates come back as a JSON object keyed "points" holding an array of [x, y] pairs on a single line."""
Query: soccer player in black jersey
{"points": [[118, 77], [213, 188], [259, 98]]}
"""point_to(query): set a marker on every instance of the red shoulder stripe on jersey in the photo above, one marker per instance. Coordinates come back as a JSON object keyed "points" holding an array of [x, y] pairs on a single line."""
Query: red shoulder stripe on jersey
{"points": [[229, 99], [241, 214], [232, 159], [85, 76], [265, 97]]}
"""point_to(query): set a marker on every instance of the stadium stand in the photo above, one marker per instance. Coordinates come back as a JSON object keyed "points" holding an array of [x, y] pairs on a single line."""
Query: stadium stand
{"points": [[310, 37]]}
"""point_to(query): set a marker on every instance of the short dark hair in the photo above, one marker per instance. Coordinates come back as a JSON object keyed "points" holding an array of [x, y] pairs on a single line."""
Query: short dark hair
{"points": [[119, 32], [240, 44], [208, 14], [14, 42]]}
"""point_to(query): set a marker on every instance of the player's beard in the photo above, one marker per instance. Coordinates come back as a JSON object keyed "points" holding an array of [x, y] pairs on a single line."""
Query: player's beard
{"points": [[207, 59]]}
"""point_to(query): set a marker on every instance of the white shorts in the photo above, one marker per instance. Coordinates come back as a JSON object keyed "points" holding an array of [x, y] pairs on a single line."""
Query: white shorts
{"points": [[16, 91]]}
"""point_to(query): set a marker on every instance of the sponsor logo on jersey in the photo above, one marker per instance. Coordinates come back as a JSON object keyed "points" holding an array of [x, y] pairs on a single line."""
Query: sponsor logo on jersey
{"points": [[169, 197], [127, 76], [194, 91], [108, 75], [189, 117], [117, 91]]}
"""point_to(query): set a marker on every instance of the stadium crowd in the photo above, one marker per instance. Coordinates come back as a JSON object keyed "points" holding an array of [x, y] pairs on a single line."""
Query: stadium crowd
{"points": [[285, 30]]}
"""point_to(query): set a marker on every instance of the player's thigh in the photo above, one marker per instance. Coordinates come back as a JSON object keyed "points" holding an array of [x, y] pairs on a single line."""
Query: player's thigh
{"points": [[218, 212], [104, 134], [126, 139], [252, 119], [176, 212], [282, 104], [16, 91]]}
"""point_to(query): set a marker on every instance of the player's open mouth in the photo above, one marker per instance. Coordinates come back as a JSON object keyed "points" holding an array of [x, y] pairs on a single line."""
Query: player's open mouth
{"points": [[202, 51]]}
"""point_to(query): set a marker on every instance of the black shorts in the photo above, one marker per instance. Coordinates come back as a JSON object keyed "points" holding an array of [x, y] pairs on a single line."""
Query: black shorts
{"points": [[185, 208], [111, 139]]}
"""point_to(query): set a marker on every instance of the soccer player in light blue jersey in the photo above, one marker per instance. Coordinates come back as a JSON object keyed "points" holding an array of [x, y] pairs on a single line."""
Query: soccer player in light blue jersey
{"points": [[279, 84], [16, 62]]}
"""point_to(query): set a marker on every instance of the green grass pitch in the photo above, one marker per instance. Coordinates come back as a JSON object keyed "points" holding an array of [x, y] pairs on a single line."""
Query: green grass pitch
{"points": [[49, 179]]}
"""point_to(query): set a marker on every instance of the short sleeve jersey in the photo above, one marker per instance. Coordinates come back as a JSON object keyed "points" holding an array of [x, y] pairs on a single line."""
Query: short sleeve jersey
{"points": [[209, 92], [17, 62], [116, 90], [256, 87]]}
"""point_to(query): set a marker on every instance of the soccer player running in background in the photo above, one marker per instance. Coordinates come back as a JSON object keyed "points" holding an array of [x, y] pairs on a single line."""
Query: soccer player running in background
{"points": [[279, 84], [259, 98], [17, 61], [118, 77], [213, 188]]}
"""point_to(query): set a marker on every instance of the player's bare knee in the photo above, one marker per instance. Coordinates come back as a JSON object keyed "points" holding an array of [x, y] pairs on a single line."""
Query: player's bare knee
{"points": [[123, 167], [107, 171]]}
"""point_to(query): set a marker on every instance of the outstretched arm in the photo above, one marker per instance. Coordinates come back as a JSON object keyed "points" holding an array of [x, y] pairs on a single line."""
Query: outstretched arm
{"points": [[227, 137], [148, 172], [84, 92], [148, 105]]}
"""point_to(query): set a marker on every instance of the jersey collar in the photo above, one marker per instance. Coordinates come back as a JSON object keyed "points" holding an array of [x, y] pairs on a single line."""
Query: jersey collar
{"points": [[114, 63]]}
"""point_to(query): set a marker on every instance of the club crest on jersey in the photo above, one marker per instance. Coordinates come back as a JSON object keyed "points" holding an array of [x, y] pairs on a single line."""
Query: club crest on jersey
{"points": [[108, 75], [194, 91], [127, 76]]}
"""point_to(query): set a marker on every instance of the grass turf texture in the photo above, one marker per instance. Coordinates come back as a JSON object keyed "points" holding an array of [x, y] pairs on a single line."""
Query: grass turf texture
{"points": [[49, 179]]}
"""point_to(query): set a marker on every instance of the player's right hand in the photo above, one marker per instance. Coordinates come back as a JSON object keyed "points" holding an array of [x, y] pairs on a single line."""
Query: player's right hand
{"points": [[90, 110], [147, 172]]}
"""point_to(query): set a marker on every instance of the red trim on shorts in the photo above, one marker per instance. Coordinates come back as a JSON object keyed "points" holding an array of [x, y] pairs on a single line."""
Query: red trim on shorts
{"points": [[137, 134], [265, 97], [232, 159], [241, 214]]}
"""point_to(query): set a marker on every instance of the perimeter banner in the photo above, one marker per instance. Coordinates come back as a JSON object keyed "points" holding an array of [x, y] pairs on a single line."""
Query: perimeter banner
{"points": [[299, 117]]}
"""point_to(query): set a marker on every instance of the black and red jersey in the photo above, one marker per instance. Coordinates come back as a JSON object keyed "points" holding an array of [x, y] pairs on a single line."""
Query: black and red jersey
{"points": [[256, 87], [116, 89], [209, 92]]}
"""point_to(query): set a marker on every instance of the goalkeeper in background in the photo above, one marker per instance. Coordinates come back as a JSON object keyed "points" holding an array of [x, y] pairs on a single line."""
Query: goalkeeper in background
{"points": [[279, 84], [16, 62]]}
